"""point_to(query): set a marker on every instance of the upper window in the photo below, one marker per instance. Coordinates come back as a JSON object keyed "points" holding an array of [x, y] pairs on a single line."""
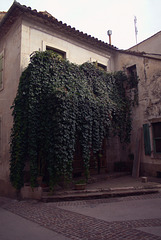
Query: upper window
{"points": [[157, 137], [132, 87], [132, 75], [57, 51], [1, 69], [100, 66]]}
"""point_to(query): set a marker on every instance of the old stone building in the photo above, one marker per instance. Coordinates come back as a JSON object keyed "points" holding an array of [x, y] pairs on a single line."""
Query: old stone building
{"points": [[23, 31], [146, 133]]}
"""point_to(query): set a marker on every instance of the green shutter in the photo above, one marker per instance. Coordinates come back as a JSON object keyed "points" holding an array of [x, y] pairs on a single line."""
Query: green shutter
{"points": [[1, 69], [147, 145]]}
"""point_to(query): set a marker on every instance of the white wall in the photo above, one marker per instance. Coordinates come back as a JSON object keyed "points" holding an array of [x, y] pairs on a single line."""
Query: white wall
{"points": [[36, 38], [11, 45]]}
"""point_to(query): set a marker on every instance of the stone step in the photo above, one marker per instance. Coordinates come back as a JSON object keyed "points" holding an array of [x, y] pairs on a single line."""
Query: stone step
{"points": [[97, 195]]}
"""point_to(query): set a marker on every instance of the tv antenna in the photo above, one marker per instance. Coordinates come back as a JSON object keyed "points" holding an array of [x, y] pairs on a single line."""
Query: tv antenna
{"points": [[136, 30]]}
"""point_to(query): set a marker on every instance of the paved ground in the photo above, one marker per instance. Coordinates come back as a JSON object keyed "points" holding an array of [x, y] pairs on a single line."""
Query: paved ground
{"points": [[109, 182], [102, 186], [108, 186], [123, 181], [133, 218], [17, 228]]}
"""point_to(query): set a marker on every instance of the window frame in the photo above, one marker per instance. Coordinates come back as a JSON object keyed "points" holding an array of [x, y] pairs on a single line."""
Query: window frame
{"points": [[132, 75], [155, 138], [101, 66], [57, 51]]}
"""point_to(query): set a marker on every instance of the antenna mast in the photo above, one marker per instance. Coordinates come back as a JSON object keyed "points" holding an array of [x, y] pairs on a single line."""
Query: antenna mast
{"points": [[136, 30]]}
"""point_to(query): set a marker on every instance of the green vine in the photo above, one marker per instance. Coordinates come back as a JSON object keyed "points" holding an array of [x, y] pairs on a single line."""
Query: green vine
{"points": [[57, 104]]}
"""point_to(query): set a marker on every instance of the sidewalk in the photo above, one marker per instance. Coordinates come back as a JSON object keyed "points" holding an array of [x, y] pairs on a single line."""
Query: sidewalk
{"points": [[16, 227], [108, 186]]}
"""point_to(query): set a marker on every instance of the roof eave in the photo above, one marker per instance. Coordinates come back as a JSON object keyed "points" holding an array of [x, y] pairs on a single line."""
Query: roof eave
{"points": [[17, 9]]}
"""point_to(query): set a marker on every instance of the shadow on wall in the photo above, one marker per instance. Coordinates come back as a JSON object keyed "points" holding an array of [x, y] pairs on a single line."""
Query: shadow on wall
{"points": [[6, 189]]}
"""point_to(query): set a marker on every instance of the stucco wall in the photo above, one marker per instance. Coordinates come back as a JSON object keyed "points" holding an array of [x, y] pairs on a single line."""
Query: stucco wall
{"points": [[11, 46], [23, 39], [150, 45], [35, 38], [149, 107], [26, 37]]}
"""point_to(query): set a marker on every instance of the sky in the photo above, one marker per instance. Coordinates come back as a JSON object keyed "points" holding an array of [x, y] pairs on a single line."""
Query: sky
{"points": [[96, 17]]}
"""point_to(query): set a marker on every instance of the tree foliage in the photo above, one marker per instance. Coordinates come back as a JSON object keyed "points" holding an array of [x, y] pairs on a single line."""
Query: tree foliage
{"points": [[57, 104]]}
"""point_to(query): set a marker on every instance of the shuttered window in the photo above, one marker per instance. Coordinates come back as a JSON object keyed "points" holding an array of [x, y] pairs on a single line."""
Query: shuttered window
{"points": [[157, 137], [147, 145], [1, 69], [0, 142]]}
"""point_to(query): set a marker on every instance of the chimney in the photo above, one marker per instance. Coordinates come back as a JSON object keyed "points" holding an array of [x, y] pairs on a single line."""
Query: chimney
{"points": [[109, 33]]}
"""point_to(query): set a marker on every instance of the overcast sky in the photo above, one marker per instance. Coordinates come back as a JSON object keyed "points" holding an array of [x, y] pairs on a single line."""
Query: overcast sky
{"points": [[95, 17]]}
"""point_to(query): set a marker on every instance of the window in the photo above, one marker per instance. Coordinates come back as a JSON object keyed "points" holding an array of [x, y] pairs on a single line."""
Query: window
{"points": [[147, 145], [0, 140], [57, 51], [132, 75], [1, 69], [157, 137], [132, 88], [100, 66]]}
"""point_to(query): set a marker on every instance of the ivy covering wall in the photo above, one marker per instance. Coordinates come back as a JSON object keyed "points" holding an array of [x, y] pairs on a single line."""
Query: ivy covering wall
{"points": [[57, 104]]}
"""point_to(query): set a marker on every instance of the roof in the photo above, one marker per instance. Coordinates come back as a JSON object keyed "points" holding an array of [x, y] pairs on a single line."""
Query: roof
{"points": [[17, 10], [141, 54], [2, 15], [7, 19], [145, 40]]}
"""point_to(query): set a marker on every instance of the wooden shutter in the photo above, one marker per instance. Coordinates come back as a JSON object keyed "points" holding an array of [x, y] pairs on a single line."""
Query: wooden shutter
{"points": [[1, 69], [147, 145], [0, 141]]}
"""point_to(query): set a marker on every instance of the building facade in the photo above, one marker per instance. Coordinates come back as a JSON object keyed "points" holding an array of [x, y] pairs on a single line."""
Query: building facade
{"points": [[23, 31], [145, 143]]}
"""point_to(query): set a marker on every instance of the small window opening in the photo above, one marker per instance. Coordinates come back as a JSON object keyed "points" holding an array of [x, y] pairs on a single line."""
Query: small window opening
{"points": [[57, 51], [132, 75], [100, 66]]}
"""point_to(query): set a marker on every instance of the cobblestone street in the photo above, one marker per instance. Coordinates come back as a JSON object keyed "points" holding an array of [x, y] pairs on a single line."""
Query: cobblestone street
{"points": [[73, 220]]}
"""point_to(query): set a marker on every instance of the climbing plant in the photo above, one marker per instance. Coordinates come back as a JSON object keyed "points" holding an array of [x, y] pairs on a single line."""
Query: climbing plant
{"points": [[57, 104]]}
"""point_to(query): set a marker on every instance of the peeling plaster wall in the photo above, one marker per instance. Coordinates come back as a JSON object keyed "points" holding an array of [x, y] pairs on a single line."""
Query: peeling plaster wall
{"points": [[149, 108]]}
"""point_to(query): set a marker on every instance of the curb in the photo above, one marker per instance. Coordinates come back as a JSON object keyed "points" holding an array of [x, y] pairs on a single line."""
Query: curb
{"points": [[112, 193]]}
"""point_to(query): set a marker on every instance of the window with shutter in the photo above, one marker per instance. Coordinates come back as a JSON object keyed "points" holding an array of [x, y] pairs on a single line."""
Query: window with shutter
{"points": [[0, 141], [157, 137], [147, 145]]}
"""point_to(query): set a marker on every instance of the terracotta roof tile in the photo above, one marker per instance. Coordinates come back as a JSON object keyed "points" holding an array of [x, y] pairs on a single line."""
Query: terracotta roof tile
{"points": [[2, 15], [17, 10]]}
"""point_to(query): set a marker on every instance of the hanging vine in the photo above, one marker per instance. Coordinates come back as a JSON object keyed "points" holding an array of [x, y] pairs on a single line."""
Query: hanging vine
{"points": [[58, 103]]}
